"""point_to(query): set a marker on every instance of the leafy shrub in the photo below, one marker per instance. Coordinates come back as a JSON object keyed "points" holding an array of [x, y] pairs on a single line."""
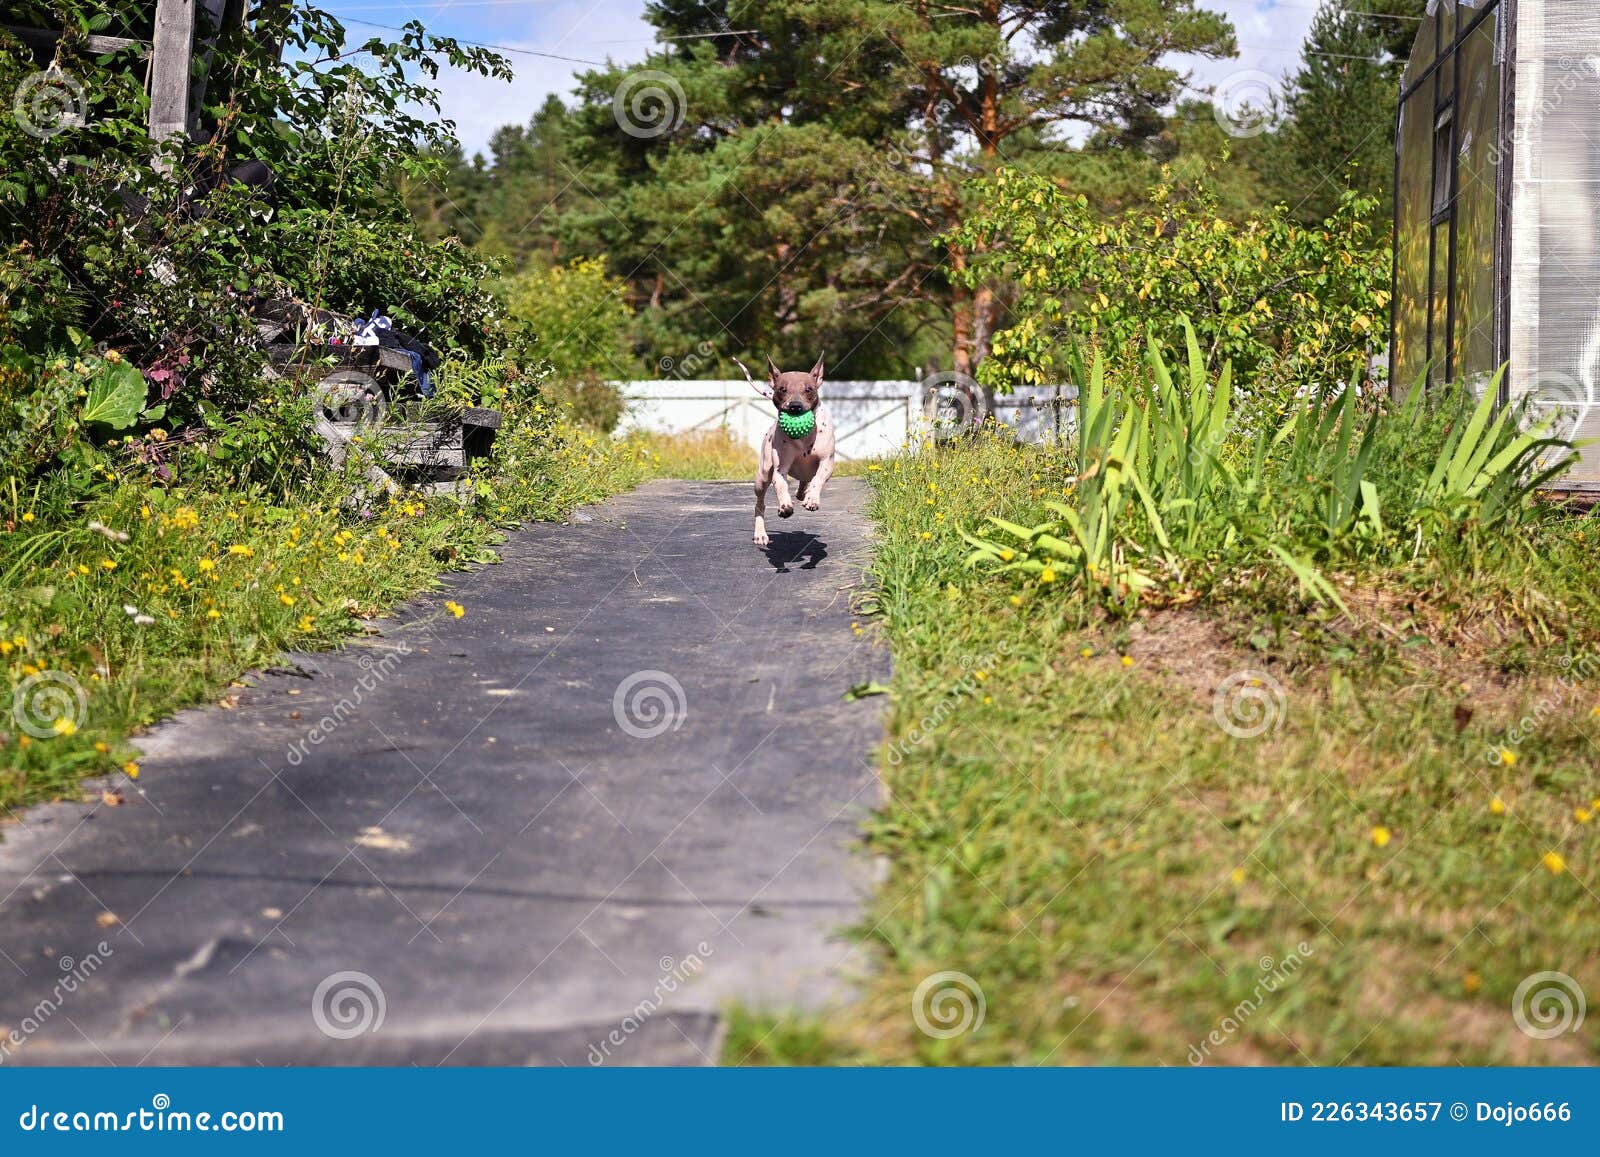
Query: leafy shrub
{"points": [[1286, 305], [582, 316]]}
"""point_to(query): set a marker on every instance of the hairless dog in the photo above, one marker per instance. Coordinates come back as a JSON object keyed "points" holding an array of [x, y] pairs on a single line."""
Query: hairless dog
{"points": [[807, 458]]}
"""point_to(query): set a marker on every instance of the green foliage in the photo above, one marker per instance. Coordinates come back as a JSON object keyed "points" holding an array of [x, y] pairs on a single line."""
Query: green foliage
{"points": [[1283, 303], [1179, 482], [581, 313]]}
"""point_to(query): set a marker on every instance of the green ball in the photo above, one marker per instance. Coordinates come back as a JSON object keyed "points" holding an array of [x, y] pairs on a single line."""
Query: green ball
{"points": [[797, 425]]}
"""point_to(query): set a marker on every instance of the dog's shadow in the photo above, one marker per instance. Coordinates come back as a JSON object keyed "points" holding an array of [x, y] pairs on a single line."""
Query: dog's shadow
{"points": [[787, 547]]}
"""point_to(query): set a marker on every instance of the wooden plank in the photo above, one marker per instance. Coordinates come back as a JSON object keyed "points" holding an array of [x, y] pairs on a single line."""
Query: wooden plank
{"points": [[46, 38], [171, 51]]}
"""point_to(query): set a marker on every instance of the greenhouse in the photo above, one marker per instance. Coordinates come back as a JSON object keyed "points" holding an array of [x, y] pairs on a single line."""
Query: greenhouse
{"points": [[1497, 208]]}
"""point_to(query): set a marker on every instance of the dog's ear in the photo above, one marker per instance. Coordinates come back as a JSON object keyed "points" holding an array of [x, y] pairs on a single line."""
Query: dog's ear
{"points": [[816, 372], [762, 388], [773, 371]]}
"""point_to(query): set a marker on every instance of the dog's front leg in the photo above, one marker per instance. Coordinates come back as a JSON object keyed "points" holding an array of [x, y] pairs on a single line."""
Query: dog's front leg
{"points": [[763, 480], [812, 498], [781, 485]]}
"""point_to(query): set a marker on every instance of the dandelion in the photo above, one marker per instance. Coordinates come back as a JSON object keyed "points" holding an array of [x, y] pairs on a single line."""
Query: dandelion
{"points": [[1497, 806], [1381, 837], [213, 614], [1047, 575], [1086, 653], [1583, 815], [1554, 863], [1237, 876], [102, 747], [28, 517], [1127, 660], [307, 623], [64, 726], [108, 564], [1016, 600], [1470, 983], [131, 768], [455, 608], [286, 599], [1508, 757], [241, 551], [924, 536]]}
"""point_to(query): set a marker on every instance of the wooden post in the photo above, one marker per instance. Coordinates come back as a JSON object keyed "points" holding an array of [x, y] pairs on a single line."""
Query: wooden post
{"points": [[170, 54]]}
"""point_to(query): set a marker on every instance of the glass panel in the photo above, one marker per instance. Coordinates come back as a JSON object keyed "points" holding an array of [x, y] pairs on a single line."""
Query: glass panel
{"points": [[1422, 51], [1446, 10], [1438, 355], [1411, 239], [1477, 198]]}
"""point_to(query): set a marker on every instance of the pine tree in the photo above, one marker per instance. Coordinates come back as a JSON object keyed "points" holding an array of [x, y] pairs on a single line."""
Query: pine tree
{"points": [[1341, 105]]}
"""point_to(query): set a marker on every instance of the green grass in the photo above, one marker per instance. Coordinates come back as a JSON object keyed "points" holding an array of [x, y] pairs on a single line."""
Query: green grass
{"points": [[1069, 824], [149, 599]]}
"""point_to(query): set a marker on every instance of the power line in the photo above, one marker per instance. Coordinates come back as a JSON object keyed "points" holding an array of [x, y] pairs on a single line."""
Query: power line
{"points": [[482, 44]]}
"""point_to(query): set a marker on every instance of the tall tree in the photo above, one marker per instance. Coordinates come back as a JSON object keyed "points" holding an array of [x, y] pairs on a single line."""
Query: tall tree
{"points": [[1341, 105], [902, 103]]}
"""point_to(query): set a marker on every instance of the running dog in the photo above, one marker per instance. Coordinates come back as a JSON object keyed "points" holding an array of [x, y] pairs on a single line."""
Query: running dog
{"points": [[807, 458]]}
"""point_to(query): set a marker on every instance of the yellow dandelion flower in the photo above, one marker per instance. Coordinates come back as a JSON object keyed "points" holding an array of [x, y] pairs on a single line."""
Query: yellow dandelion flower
{"points": [[28, 517], [1237, 876], [1381, 837], [1127, 660], [1086, 653], [132, 768], [1508, 757], [1047, 575], [102, 747], [455, 608], [213, 614], [1016, 600], [924, 536], [1470, 983], [64, 726], [1497, 806], [241, 551], [1554, 863], [1583, 815], [286, 600]]}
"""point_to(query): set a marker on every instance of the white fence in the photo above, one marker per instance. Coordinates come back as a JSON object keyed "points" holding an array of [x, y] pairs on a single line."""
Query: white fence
{"points": [[870, 419]]}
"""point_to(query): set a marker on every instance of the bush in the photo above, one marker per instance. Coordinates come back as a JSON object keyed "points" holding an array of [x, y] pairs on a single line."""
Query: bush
{"points": [[582, 316], [1286, 305]]}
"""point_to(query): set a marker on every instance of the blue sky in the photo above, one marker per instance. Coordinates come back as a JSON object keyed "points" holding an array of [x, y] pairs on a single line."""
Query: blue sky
{"points": [[1270, 33]]}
